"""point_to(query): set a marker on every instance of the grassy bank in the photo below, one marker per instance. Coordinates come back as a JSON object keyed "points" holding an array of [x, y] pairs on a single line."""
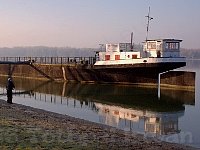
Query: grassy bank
{"points": [[23, 127]]}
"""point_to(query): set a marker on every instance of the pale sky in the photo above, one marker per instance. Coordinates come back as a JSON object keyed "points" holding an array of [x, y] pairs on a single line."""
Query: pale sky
{"points": [[88, 23]]}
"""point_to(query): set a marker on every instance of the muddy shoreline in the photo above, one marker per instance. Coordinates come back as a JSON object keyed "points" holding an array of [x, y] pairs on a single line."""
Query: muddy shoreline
{"points": [[26, 127]]}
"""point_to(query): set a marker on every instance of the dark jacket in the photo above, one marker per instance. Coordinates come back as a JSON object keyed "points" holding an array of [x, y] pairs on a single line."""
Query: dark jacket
{"points": [[10, 85]]}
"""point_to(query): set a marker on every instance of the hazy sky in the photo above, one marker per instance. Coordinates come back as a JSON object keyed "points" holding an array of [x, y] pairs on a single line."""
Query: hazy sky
{"points": [[87, 23]]}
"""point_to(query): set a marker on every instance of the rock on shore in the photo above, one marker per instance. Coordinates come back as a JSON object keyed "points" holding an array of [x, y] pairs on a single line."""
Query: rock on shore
{"points": [[23, 127]]}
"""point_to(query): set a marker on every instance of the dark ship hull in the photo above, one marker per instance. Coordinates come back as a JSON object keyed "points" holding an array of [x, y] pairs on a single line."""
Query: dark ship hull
{"points": [[137, 73]]}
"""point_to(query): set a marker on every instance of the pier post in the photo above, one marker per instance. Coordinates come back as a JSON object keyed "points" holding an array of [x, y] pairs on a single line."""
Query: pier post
{"points": [[159, 76], [159, 85]]}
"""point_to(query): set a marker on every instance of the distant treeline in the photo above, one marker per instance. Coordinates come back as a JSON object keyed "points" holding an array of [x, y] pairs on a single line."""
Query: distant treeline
{"points": [[190, 53], [42, 51]]}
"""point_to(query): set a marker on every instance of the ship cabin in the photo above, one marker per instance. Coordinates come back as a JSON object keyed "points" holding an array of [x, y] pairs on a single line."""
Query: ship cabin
{"points": [[120, 51], [152, 48], [162, 48]]}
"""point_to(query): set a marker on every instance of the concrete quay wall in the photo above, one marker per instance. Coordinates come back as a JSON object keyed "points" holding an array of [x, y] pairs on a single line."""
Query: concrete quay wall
{"points": [[82, 73]]}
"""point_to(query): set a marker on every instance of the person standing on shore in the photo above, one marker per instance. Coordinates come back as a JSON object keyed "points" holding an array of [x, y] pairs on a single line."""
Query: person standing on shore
{"points": [[10, 86]]}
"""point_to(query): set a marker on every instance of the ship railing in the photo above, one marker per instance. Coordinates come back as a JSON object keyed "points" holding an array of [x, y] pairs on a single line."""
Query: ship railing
{"points": [[51, 60]]}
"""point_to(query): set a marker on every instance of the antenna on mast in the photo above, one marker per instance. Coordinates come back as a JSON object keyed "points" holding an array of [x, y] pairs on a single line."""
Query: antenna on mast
{"points": [[148, 21], [131, 41]]}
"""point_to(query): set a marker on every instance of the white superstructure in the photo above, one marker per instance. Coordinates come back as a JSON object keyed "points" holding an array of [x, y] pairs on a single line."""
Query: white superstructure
{"points": [[154, 51], [162, 48]]}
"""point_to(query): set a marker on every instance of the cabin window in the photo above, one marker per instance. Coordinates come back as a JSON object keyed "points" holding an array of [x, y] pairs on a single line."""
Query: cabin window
{"points": [[177, 45], [112, 47], [134, 56], [107, 57], [117, 57], [159, 47], [172, 45], [151, 45]]}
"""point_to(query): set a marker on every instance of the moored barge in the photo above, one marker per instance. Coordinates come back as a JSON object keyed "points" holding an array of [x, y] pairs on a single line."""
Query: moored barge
{"points": [[120, 63]]}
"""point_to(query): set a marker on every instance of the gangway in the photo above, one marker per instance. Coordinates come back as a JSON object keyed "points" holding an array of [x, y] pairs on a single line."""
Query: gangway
{"points": [[12, 64]]}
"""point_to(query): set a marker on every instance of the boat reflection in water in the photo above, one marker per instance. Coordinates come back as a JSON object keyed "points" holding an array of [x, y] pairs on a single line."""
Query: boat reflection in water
{"points": [[135, 109], [128, 108], [154, 123]]}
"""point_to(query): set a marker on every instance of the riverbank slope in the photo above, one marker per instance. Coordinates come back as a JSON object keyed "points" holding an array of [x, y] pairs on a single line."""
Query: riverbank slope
{"points": [[26, 127]]}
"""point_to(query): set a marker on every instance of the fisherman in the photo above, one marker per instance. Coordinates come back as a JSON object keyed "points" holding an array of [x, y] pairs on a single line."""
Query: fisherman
{"points": [[10, 86]]}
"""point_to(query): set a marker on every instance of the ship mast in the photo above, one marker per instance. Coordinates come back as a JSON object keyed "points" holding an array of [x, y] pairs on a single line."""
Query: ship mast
{"points": [[148, 21], [131, 41]]}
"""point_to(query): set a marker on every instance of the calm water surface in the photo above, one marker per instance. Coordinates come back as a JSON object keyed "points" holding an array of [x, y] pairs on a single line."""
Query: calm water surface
{"points": [[173, 118]]}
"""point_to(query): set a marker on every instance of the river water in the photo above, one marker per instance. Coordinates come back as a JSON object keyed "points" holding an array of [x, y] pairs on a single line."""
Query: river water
{"points": [[172, 118]]}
